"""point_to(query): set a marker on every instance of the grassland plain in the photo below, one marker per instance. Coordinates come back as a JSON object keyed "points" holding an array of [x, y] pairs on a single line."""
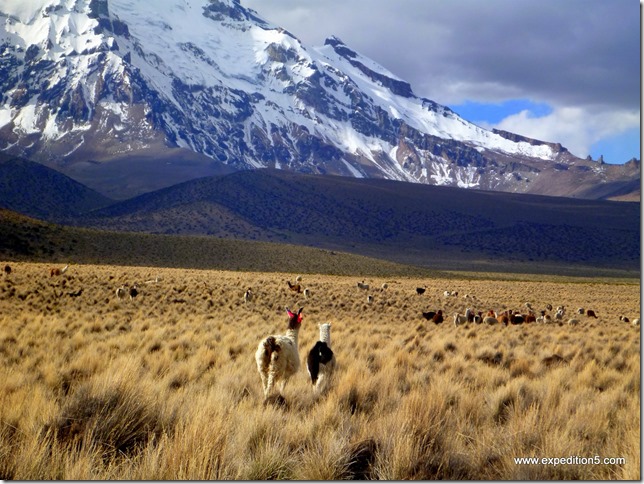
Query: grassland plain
{"points": [[165, 386]]}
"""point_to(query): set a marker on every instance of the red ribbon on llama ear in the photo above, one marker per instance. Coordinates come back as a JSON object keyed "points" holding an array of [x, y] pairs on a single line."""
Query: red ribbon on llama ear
{"points": [[291, 315]]}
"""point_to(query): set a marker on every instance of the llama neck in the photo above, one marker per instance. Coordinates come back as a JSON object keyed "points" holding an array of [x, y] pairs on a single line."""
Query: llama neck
{"points": [[292, 334], [325, 334]]}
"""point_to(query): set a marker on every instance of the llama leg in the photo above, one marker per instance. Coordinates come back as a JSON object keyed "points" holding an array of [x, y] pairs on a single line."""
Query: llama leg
{"points": [[325, 377], [269, 384], [321, 383], [264, 382], [282, 385]]}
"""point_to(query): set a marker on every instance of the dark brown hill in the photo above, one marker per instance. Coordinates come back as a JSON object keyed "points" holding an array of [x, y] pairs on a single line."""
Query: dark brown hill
{"points": [[33, 189], [28, 239], [439, 227]]}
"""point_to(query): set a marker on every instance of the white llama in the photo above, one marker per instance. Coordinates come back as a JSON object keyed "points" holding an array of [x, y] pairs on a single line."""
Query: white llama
{"points": [[277, 356]]}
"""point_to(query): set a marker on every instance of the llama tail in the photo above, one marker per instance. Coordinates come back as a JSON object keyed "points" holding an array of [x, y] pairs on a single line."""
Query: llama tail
{"points": [[271, 355], [271, 351]]}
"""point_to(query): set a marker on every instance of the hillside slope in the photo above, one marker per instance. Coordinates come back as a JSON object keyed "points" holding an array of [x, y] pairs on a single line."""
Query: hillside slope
{"points": [[36, 190], [28, 239], [406, 222]]}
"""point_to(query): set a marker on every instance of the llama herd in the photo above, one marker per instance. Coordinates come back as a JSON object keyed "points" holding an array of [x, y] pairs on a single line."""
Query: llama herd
{"points": [[277, 356], [510, 317], [121, 292], [278, 359], [515, 317]]}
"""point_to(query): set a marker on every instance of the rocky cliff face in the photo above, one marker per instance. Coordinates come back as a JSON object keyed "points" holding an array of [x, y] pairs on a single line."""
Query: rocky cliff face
{"points": [[159, 92]]}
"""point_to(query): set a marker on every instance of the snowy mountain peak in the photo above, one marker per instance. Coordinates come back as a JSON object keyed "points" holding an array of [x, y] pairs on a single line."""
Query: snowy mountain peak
{"points": [[87, 85], [369, 68], [222, 10], [49, 29]]}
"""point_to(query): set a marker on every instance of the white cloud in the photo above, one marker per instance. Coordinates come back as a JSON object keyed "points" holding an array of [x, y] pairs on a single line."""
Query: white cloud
{"points": [[568, 53], [575, 128]]}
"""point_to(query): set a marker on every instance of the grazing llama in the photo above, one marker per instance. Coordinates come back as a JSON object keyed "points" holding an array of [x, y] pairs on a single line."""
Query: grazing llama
{"points": [[438, 317], [591, 314], [121, 292], [429, 315], [362, 285], [321, 361], [459, 319], [277, 357], [134, 291], [294, 287], [55, 271]]}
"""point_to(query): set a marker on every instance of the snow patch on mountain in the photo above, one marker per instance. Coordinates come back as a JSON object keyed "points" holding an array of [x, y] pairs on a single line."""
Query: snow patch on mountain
{"points": [[6, 116], [414, 111]]}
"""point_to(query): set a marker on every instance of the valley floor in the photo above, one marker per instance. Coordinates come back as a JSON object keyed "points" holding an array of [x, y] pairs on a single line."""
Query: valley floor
{"points": [[165, 386]]}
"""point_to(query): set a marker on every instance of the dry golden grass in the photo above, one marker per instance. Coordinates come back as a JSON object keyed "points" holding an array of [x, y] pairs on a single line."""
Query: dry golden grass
{"points": [[166, 387]]}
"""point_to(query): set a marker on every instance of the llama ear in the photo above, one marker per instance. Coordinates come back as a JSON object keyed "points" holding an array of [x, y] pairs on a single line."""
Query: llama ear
{"points": [[299, 315], [290, 314]]}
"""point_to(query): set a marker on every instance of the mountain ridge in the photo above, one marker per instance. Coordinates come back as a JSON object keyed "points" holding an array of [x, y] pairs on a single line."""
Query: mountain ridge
{"points": [[209, 87]]}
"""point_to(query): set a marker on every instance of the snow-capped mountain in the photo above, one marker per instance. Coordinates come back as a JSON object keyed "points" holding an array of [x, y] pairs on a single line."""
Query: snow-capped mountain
{"points": [[161, 91]]}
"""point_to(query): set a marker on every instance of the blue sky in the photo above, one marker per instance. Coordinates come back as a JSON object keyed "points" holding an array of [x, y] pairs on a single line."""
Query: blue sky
{"points": [[560, 71], [623, 146], [615, 149], [492, 113]]}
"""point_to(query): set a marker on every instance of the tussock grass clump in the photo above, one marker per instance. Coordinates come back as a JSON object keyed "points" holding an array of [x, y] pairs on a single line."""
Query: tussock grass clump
{"points": [[114, 418], [165, 387]]}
